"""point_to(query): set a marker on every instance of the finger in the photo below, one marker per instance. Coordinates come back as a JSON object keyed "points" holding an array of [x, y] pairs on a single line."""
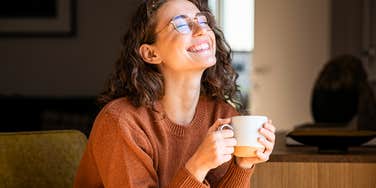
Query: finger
{"points": [[268, 125], [262, 156], [227, 133], [228, 150], [268, 145], [268, 134], [218, 123], [229, 142], [268, 152]]}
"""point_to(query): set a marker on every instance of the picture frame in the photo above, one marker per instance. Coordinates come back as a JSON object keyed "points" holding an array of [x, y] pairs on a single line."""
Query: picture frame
{"points": [[22, 21]]}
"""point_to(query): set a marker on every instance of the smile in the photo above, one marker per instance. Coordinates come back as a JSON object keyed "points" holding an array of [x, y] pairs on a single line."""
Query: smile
{"points": [[199, 47]]}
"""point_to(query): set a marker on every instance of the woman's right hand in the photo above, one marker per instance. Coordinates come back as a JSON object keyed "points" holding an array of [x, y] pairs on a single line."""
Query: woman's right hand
{"points": [[216, 149]]}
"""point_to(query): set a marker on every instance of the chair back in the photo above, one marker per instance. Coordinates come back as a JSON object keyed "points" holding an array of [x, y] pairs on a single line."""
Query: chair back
{"points": [[40, 158]]}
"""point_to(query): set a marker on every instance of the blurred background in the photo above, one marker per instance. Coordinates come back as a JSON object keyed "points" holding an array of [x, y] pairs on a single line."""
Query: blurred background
{"points": [[53, 66]]}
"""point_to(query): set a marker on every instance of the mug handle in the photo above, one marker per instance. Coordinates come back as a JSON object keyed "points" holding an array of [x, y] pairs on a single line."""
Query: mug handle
{"points": [[220, 128]]}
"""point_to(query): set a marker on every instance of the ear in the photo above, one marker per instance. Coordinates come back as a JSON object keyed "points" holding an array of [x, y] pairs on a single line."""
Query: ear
{"points": [[149, 54]]}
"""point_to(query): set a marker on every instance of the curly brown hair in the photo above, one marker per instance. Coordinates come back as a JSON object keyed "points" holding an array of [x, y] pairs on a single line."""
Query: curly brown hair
{"points": [[142, 83]]}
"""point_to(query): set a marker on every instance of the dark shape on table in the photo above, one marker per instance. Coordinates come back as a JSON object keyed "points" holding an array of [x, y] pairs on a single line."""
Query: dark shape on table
{"points": [[330, 138]]}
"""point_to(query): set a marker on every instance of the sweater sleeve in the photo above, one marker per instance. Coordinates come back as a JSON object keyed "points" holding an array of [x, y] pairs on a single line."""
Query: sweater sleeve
{"points": [[122, 154], [185, 179], [236, 176]]}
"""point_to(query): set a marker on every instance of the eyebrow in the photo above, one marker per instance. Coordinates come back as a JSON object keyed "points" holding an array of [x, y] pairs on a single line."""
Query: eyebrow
{"points": [[179, 16], [185, 16]]}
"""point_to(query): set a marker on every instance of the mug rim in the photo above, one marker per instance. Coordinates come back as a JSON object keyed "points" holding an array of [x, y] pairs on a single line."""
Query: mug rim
{"points": [[254, 116]]}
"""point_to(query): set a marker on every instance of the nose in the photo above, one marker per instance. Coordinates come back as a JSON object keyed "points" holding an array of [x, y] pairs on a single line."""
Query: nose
{"points": [[198, 30]]}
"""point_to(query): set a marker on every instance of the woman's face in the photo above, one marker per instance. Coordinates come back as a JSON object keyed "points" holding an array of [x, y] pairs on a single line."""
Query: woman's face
{"points": [[181, 52]]}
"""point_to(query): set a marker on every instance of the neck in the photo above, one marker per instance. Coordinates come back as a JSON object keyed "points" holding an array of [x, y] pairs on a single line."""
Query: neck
{"points": [[181, 97]]}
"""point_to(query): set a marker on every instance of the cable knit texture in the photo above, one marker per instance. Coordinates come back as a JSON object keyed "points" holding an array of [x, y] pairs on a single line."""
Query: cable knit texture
{"points": [[141, 147]]}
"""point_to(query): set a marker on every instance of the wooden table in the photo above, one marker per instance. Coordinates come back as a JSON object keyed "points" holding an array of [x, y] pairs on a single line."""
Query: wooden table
{"points": [[304, 167]]}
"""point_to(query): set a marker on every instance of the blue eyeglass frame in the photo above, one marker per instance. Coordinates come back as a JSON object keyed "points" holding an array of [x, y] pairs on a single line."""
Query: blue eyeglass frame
{"points": [[204, 25]]}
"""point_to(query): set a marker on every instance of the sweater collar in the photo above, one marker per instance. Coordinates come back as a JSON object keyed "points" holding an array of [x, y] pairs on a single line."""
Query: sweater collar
{"points": [[180, 130]]}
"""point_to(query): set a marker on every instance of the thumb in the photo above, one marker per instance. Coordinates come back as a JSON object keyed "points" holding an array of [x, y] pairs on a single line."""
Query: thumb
{"points": [[218, 123]]}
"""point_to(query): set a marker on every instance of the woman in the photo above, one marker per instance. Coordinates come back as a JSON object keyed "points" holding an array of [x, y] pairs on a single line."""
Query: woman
{"points": [[164, 103]]}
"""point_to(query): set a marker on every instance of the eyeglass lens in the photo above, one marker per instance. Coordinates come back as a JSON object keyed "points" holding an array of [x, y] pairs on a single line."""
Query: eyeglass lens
{"points": [[184, 24]]}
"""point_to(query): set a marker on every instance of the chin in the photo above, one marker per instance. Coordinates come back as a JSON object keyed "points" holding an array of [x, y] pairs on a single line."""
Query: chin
{"points": [[212, 61], [207, 62]]}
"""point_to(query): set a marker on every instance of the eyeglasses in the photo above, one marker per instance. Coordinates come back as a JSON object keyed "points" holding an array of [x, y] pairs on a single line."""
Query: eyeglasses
{"points": [[184, 24]]}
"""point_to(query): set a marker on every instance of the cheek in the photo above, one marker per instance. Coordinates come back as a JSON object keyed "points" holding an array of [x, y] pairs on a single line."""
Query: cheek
{"points": [[175, 42], [212, 36], [212, 39], [177, 47], [169, 47]]}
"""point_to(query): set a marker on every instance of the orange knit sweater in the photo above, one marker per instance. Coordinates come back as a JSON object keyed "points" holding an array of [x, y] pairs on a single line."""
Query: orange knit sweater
{"points": [[140, 147]]}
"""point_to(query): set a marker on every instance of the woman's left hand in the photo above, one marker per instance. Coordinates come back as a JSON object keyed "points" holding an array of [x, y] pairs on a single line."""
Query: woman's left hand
{"points": [[268, 131]]}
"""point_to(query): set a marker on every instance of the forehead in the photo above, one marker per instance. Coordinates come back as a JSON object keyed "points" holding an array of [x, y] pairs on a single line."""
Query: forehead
{"points": [[173, 8]]}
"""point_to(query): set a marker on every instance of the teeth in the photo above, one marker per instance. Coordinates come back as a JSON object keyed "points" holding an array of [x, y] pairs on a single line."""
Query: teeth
{"points": [[200, 47]]}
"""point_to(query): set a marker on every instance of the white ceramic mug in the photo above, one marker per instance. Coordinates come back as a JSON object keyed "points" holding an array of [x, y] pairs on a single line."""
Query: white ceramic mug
{"points": [[246, 133]]}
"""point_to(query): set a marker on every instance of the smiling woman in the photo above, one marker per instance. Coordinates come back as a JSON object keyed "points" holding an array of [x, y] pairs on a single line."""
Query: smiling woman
{"points": [[172, 88]]}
